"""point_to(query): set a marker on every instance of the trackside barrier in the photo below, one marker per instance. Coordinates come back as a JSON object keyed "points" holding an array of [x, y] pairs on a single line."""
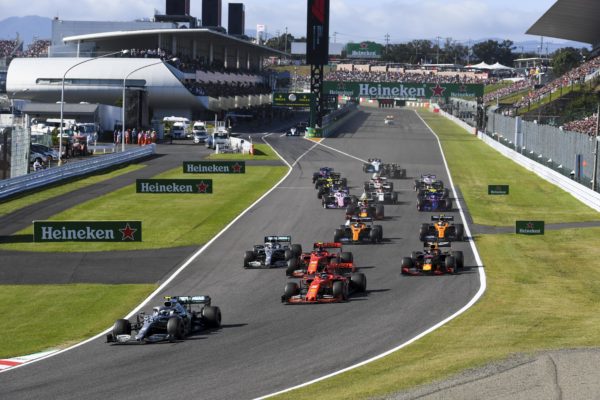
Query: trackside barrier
{"points": [[34, 180], [585, 195], [337, 119]]}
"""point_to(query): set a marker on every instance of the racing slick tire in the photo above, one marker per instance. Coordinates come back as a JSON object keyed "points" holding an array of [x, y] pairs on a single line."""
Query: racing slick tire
{"points": [[175, 329], [291, 289], [338, 235], [419, 204], [296, 250], [212, 316], [292, 266], [351, 209], [450, 265], [346, 257], [402, 173], [344, 182], [423, 232], [359, 282], [249, 256], [448, 204], [460, 232], [320, 193], [446, 192], [395, 198], [414, 255], [121, 327], [460, 259], [287, 255], [376, 234], [379, 214], [339, 290], [406, 262]]}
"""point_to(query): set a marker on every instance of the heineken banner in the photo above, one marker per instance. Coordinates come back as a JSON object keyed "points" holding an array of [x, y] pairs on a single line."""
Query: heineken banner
{"points": [[298, 100], [399, 90], [87, 231], [497, 189], [364, 50], [174, 186], [214, 167], [530, 227]]}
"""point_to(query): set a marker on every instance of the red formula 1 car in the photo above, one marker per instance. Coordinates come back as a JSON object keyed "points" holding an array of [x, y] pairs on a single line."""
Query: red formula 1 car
{"points": [[323, 257], [324, 287]]}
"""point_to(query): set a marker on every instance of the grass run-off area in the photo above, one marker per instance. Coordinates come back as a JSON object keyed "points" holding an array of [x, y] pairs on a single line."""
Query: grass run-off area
{"points": [[168, 220], [542, 291], [9, 206], [261, 152], [49, 316]]}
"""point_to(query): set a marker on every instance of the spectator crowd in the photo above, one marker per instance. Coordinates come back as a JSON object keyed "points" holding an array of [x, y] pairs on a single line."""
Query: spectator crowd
{"points": [[586, 125]]}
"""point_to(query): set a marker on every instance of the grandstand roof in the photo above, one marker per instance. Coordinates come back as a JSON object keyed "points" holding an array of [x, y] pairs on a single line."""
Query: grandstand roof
{"points": [[131, 39], [577, 20]]}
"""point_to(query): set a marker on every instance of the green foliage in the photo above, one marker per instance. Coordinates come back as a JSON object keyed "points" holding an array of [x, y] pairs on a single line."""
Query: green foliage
{"points": [[566, 59], [491, 51]]}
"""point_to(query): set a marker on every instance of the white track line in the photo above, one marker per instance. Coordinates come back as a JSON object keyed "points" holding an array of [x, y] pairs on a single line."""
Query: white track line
{"points": [[175, 274], [339, 151], [480, 292]]}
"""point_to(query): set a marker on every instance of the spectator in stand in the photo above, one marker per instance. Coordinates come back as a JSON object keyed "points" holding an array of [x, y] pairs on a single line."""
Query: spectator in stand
{"points": [[586, 125]]}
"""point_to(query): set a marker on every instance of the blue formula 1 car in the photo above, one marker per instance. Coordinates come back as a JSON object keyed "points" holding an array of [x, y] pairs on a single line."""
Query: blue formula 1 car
{"points": [[433, 200], [178, 317]]}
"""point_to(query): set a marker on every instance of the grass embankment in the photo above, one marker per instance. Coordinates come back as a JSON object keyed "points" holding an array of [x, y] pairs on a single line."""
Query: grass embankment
{"points": [[542, 291], [38, 317], [44, 194], [550, 98], [495, 86], [261, 152], [168, 220]]}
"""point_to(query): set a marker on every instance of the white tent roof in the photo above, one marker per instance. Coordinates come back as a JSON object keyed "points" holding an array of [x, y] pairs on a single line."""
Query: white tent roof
{"points": [[481, 65], [499, 66]]}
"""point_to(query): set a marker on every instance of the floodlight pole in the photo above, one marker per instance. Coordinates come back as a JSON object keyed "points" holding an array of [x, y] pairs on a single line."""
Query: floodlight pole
{"points": [[62, 97]]}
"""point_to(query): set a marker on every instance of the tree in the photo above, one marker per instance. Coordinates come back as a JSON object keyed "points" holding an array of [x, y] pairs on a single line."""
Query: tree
{"points": [[491, 52], [565, 59], [279, 42]]}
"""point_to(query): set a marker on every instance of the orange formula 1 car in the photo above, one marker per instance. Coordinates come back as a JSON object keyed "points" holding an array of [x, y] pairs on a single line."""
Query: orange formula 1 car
{"points": [[324, 256], [358, 230], [324, 287], [442, 229]]}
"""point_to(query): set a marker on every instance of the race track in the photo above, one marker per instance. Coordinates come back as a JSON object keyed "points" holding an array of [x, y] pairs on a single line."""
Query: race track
{"points": [[265, 346]]}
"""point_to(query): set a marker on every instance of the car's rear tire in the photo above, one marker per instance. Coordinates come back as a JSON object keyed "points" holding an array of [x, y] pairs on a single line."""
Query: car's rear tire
{"points": [[450, 264], [121, 327], [419, 204], [290, 290], [395, 198], [423, 232], [448, 204], [406, 262], [460, 232], [287, 254], [359, 282], [338, 235], [175, 328], [379, 214], [379, 230], [296, 250], [212, 316], [346, 257], [292, 266], [248, 257], [460, 259]]}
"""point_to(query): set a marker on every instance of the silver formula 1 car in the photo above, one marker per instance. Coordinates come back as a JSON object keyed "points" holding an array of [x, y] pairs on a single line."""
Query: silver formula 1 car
{"points": [[178, 317], [275, 252]]}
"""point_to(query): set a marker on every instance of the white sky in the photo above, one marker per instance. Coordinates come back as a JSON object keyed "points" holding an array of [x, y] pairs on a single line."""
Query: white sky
{"points": [[354, 20]]}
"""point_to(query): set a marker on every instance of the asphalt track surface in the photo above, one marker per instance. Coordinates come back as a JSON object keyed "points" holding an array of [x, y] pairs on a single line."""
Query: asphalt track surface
{"points": [[265, 346]]}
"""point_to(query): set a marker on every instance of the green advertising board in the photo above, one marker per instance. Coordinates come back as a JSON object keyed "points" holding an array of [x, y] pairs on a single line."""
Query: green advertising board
{"points": [[530, 227], [214, 167], [400, 90], [174, 186], [87, 231], [296, 100], [497, 189], [364, 50]]}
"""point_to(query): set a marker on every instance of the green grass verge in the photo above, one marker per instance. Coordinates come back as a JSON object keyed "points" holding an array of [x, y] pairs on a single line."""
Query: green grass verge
{"points": [[169, 220], [261, 152], [41, 317], [44, 194], [531, 198], [541, 294]]}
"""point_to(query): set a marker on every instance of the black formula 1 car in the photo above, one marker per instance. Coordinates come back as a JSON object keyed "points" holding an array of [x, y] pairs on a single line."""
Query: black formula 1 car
{"points": [[433, 200], [178, 317], [442, 229], [432, 261], [393, 171], [359, 230], [275, 252]]}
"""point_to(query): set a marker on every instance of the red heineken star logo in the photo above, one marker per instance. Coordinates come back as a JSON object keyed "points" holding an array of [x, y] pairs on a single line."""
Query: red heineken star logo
{"points": [[437, 90], [128, 232], [530, 225], [237, 168], [202, 187], [462, 88]]}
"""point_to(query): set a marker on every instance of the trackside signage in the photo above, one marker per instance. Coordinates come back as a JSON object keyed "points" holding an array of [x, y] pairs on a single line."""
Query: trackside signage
{"points": [[497, 189], [402, 90], [530, 228], [87, 231], [214, 167], [174, 186]]}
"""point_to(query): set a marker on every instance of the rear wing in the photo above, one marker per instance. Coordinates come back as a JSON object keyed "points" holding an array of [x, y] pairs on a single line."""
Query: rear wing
{"points": [[429, 243], [359, 219], [327, 245], [277, 239], [442, 218], [190, 299]]}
